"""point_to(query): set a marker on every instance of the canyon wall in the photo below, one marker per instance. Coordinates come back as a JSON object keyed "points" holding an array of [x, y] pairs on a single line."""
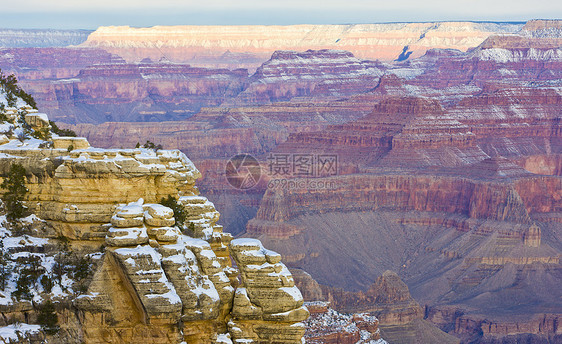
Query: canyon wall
{"points": [[227, 45]]}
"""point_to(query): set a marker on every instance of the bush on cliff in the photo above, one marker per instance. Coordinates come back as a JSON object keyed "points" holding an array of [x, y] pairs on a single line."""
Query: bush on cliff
{"points": [[13, 91], [48, 318], [5, 269], [61, 132], [22, 291], [149, 145], [179, 211], [14, 185]]}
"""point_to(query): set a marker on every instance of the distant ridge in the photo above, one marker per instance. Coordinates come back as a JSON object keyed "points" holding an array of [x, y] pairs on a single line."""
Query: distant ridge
{"points": [[206, 45], [41, 38]]}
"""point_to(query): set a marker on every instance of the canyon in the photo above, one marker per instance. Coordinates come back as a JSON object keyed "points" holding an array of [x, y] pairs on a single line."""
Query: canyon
{"points": [[447, 138]]}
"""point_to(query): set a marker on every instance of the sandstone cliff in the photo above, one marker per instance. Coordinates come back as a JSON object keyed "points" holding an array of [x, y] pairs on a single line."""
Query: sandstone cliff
{"points": [[142, 272]]}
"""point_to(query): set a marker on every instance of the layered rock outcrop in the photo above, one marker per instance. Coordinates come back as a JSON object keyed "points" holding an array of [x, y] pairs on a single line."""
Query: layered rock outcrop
{"points": [[152, 282], [327, 326], [267, 305]]}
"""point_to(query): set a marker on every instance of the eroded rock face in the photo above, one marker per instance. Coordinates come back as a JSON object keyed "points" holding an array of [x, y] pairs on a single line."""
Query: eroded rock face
{"points": [[153, 283], [327, 326], [172, 279], [267, 294]]}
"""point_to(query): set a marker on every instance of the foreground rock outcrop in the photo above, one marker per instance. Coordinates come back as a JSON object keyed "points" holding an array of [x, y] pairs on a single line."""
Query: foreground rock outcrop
{"points": [[157, 277], [399, 318]]}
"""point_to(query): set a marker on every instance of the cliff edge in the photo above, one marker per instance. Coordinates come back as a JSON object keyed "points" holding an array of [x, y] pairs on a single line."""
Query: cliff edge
{"points": [[89, 255]]}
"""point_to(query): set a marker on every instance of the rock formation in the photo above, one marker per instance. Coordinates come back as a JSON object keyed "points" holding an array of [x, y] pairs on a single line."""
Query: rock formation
{"points": [[150, 282], [327, 326], [227, 45]]}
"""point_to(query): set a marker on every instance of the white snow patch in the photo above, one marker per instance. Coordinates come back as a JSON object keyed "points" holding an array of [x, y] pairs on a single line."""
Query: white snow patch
{"points": [[10, 332]]}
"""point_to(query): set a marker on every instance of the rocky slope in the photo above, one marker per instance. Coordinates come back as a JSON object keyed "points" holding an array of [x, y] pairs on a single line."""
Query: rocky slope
{"points": [[100, 261]]}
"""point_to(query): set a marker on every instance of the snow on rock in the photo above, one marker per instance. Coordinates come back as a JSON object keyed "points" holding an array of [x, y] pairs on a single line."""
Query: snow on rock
{"points": [[324, 322], [267, 289], [223, 338], [18, 331]]}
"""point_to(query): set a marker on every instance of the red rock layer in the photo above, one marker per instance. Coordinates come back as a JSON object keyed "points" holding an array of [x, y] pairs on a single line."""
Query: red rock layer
{"points": [[472, 198], [313, 73], [51, 63]]}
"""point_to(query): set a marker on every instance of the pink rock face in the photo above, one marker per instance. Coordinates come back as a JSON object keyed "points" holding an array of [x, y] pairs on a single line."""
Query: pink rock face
{"points": [[51, 63], [139, 92]]}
